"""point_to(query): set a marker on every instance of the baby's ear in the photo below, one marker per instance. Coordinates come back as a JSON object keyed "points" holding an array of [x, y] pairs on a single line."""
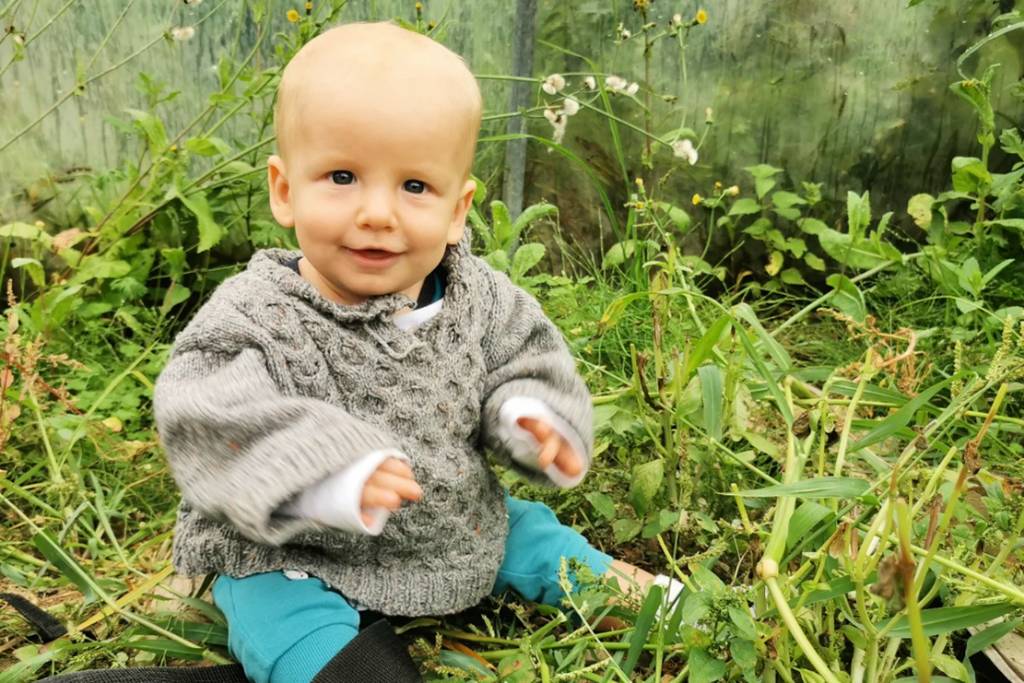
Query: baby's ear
{"points": [[280, 192], [458, 225]]}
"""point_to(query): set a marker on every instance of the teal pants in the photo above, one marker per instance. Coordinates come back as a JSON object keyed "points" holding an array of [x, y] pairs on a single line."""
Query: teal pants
{"points": [[284, 631]]}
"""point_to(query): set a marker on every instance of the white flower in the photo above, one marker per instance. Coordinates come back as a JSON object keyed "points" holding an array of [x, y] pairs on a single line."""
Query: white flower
{"points": [[677, 20], [182, 33], [684, 150], [570, 106], [590, 82], [623, 32], [632, 89], [553, 83], [616, 83], [557, 119]]}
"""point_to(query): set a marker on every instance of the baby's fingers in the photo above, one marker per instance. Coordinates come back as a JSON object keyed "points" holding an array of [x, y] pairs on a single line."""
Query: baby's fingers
{"points": [[548, 451], [405, 487], [568, 461], [397, 467], [379, 497]]}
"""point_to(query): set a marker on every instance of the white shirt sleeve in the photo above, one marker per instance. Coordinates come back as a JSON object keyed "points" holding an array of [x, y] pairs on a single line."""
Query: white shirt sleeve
{"points": [[524, 449], [334, 501]]}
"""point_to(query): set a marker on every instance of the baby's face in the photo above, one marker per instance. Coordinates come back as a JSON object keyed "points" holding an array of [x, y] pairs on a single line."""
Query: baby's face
{"points": [[375, 185]]}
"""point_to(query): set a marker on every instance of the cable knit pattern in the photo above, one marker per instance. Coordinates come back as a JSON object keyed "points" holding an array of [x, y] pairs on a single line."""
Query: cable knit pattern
{"points": [[271, 388]]}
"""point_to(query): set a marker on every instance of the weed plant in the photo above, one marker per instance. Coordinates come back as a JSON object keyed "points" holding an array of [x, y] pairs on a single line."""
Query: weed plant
{"points": [[811, 418]]}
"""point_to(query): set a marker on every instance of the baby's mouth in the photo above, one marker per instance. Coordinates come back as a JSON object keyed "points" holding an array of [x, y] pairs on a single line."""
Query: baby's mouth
{"points": [[373, 254]]}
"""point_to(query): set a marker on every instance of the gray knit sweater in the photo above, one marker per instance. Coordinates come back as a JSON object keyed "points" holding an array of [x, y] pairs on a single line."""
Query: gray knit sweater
{"points": [[271, 388]]}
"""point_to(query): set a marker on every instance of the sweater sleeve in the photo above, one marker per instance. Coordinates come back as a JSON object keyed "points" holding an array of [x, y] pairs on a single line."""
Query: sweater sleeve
{"points": [[240, 449], [527, 357]]}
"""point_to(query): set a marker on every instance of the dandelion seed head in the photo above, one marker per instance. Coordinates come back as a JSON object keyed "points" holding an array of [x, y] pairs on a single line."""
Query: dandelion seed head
{"points": [[570, 106], [632, 89], [183, 33], [677, 20], [590, 82], [616, 83], [684, 149], [553, 84]]}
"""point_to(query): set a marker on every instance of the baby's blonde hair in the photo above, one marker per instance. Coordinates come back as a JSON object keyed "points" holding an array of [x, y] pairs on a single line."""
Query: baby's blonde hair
{"points": [[369, 57]]}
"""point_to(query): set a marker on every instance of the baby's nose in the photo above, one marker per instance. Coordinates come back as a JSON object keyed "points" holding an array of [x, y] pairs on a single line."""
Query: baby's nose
{"points": [[376, 210]]}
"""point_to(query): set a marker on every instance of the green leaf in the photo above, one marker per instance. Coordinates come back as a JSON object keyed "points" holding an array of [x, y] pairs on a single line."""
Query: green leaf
{"points": [[207, 147], [763, 178], [814, 261], [31, 266], [503, 232], [704, 668], [706, 346], [175, 294], [806, 516], [620, 251], [679, 217], [625, 529], [990, 636], [792, 276], [920, 209], [662, 522], [498, 260], [942, 620], [642, 627], [645, 483], [695, 606], [26, 231], [210, 231], [744, 207], [770, 381], [152, 128], [68, 566], [602, 503], [819, 487], [858, 213], [970, 176], [532, 213], [459, 660], [741, 619], [744, 653], [775, 261], [847, 297], [526, 257], [713, 397], [898, 420]]}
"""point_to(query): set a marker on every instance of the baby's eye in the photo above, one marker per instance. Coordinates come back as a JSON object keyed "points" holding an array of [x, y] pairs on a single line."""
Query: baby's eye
{"points": [[415, 186], [342, 177]]}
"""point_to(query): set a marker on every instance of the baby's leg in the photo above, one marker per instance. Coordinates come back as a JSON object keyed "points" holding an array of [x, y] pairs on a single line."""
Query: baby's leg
{"points": [[536, 543], [283, 630]]}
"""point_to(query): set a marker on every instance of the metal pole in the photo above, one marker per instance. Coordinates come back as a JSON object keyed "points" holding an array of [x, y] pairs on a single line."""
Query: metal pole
{"points": [[514, 175]]}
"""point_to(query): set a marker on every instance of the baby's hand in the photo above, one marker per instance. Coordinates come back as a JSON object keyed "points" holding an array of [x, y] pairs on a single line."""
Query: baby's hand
{"points": [[389, 485], [553, 448]]}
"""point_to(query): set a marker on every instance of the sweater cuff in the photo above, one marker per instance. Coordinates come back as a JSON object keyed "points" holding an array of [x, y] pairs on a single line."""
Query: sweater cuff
{"points": [[334, 501], [524, 449]]}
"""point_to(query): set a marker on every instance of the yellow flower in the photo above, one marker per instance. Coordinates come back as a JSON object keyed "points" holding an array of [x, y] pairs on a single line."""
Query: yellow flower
{"points": [[702, 16], [309, 7], [696, 199], [419, 7], [293, 15]]}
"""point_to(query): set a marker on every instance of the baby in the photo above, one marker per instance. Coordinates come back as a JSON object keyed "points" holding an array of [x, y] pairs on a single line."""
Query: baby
{"points": [[326, 412]]}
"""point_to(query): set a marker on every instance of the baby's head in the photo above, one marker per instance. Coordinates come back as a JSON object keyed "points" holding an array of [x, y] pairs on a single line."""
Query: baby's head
{"points": [[376, 129]]}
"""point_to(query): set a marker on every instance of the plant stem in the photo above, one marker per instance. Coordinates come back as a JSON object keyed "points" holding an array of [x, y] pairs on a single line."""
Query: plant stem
{"points": [[918, 639]]}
